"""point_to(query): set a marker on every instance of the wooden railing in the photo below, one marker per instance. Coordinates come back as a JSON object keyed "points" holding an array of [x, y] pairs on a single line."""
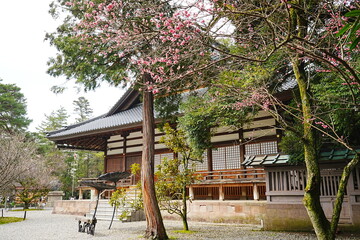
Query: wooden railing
{"points": [[121, 183], [238, 175]]}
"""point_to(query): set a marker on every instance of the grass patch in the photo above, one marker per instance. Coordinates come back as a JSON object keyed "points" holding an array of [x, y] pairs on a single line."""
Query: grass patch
{"points": [[5, 220], [21, 210], [184, 231]]}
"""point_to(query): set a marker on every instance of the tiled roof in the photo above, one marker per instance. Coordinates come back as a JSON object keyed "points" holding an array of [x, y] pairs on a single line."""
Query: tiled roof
{"points": [[267, 160], [337, 155], [286, 85], [130, 116]]}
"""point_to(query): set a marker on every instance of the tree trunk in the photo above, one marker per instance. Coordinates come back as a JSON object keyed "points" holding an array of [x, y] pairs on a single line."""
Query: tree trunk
{"points": [[26, 205], [155, 226], [184, 210], [312, 191], [311, 198], [341, 192]]}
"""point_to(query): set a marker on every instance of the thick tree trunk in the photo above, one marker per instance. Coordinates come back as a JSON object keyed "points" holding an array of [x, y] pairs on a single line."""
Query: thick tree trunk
{"points": [[311, 198], [155, 226], [312, 191]]}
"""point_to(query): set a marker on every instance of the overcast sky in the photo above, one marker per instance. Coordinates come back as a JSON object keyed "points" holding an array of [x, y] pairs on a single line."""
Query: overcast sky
{"points": [[23, 57]]}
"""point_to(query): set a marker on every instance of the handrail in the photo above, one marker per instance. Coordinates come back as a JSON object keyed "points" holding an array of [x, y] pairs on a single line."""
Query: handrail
{"points": [[234, 175], [234, 170]]}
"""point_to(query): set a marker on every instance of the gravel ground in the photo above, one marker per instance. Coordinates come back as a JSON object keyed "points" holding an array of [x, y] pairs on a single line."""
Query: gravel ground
{"points": [[47, 226]]}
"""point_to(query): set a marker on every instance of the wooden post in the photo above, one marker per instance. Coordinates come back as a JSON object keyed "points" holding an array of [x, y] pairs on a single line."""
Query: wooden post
{"points": [[256, 192], [221, 193], [210, 159], [80, 193], [105, 154], [242, 148], [124, 135], [191, 193]]}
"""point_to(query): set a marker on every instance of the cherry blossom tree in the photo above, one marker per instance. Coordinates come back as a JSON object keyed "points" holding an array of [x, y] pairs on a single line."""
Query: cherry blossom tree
{"points": [[136, 42]]}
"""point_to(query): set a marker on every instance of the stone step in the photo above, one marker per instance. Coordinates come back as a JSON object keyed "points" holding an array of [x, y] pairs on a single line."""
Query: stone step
{"points": [[105, 210]]}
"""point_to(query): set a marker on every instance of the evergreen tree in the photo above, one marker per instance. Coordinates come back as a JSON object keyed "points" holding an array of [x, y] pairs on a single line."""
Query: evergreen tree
{"points": [[82, 109], [55, 121], [12, 109]]}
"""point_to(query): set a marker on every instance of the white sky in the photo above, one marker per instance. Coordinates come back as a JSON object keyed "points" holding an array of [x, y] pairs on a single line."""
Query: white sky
{"points": [[23, 57]]}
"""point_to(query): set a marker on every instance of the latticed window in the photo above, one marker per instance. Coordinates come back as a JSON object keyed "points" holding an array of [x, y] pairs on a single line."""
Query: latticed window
{"points": [[226, 157], [261, 148], [158, 158], [202, 166], [113, 164]]}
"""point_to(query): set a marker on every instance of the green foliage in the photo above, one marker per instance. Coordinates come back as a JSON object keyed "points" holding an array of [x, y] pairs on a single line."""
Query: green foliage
{"points": [[291, 144], [175, 175], [55, 121], [202, 113], [121, 200], [12, 109], [337, 108], [196, 122], [31, 191], [167, 107], [351, 28], [118, 198], [135, 168]]}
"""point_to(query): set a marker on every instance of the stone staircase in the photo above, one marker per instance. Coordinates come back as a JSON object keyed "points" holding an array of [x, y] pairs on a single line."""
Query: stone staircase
{"points": [[105, 210]]}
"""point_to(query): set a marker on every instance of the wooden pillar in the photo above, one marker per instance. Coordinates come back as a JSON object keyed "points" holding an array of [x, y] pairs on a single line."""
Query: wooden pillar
{"points": [[191, 193], [105, 155], [242, 147], [221, 193], [80, 194], [278, 135], [256, 192], [209, 159], [93, 195]]}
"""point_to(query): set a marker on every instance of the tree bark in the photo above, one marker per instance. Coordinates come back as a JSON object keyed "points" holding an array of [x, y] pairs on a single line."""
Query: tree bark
{"points": [[155, 226], [341, 193], [312, 191], [311, 198], [184, 210]]}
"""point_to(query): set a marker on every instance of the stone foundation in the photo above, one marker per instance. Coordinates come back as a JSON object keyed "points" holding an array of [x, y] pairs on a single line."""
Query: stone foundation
{"points": [[275, 217], [242, 212], [286, 217]]}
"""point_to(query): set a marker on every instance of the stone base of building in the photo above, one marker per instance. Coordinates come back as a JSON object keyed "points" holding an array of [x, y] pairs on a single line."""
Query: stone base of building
{"points": [[270, 216], [242, 212]]}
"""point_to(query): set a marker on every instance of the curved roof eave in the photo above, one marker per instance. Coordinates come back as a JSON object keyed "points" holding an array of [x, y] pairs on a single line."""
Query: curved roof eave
{"points": [[123, 119]]}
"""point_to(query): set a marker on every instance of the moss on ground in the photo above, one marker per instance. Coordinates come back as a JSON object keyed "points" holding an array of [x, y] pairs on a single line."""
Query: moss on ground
{"points": [[5, 220]]}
